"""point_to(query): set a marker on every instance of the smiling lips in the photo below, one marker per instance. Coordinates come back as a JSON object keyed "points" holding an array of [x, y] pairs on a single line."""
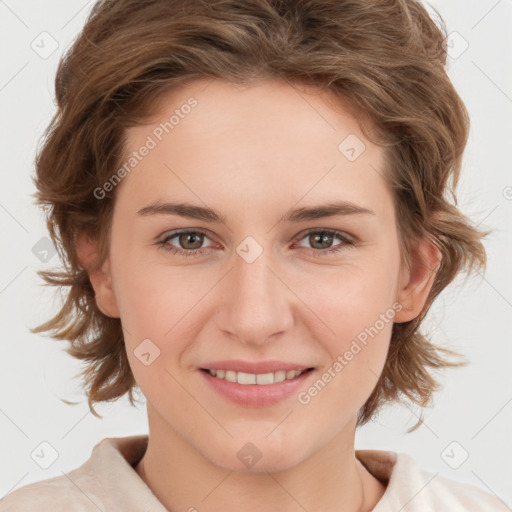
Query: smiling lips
{"points": [[255, 384]]}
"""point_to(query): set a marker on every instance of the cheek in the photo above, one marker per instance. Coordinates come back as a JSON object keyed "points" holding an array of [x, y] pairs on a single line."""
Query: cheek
{"points": [[156, 312], [356, 354], [160, 304], [152, 296], [353, 323], [350, 299]]}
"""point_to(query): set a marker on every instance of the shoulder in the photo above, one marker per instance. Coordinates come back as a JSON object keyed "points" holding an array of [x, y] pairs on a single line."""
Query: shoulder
{"points": [[460, 496], [106, 481], [78, 490], [430, 491], [55, 494], [420, 490]]}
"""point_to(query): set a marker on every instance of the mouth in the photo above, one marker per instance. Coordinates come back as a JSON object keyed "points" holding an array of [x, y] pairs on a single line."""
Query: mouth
{"points": [[257, 389]]}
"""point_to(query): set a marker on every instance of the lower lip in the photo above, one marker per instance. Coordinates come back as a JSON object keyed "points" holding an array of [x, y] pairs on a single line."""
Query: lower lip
{"points": [[256, 395]]}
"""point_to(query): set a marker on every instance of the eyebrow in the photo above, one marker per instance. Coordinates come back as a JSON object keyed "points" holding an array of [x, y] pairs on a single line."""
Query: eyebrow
{"points": [[298, 215]]}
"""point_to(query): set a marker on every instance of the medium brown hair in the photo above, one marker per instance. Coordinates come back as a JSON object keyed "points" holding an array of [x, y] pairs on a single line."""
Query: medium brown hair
{"points": [[385, 59]]}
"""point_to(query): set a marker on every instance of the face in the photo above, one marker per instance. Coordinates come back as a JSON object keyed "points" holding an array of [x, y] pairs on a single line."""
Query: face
{"points": [[257, 283]]}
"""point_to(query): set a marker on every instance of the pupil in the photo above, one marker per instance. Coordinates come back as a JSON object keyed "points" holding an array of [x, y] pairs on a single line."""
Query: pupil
{"points": [[190, 236], [322, 237]]}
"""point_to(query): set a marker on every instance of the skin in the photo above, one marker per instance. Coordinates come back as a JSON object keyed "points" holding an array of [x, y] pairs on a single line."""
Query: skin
{"points": [[252, 153]]}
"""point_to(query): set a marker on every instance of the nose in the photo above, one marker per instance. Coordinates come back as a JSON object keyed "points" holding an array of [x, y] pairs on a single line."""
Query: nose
{"points": [[257, 303]]}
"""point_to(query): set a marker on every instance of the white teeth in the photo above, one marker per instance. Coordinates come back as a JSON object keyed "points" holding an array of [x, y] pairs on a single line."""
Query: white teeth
{"points": [[280, 376], [252, 378]]}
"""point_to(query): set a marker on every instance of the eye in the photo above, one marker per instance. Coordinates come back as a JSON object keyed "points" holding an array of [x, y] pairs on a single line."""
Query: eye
{"points": [[321, 240], [191, 242]]}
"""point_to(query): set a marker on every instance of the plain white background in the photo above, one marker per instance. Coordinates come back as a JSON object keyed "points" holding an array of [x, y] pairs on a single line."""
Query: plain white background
{"points": [[466, 435]]}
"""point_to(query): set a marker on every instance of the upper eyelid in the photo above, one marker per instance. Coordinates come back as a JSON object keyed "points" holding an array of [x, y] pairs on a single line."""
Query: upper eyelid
{"points": [[171, 234]]}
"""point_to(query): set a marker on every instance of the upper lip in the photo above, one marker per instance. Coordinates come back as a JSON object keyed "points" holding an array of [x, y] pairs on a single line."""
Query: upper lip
{"points": [[237, 365]]}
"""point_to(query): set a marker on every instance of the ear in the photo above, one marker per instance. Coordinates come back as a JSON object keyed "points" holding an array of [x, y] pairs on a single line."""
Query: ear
{"points": [[101, 281], [415, 282]]}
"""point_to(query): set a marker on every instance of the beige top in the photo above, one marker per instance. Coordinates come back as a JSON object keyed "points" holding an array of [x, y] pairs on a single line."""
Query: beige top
{"points": [[108, 482]]}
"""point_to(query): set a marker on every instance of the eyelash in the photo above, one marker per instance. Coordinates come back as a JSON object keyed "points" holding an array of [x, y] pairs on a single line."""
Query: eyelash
{"points": [[164, 244]]}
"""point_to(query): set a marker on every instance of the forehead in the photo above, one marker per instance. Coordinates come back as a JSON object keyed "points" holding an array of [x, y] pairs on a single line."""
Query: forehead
{"points": [[268, 140]]}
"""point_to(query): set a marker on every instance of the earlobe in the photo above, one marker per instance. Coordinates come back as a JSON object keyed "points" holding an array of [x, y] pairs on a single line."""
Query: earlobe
{"points": [[416, 282], [101, 280], [86, 250]]}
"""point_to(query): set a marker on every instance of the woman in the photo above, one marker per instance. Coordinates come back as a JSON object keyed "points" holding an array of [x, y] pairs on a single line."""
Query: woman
{"points": [[250, 200]]}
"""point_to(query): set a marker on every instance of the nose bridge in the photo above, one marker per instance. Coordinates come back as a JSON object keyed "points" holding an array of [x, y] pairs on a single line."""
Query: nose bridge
{"points": [[257, 303]]}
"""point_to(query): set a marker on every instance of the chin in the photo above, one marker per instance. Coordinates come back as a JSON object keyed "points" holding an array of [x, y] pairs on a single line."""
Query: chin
{"points": [[255, 457]]}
